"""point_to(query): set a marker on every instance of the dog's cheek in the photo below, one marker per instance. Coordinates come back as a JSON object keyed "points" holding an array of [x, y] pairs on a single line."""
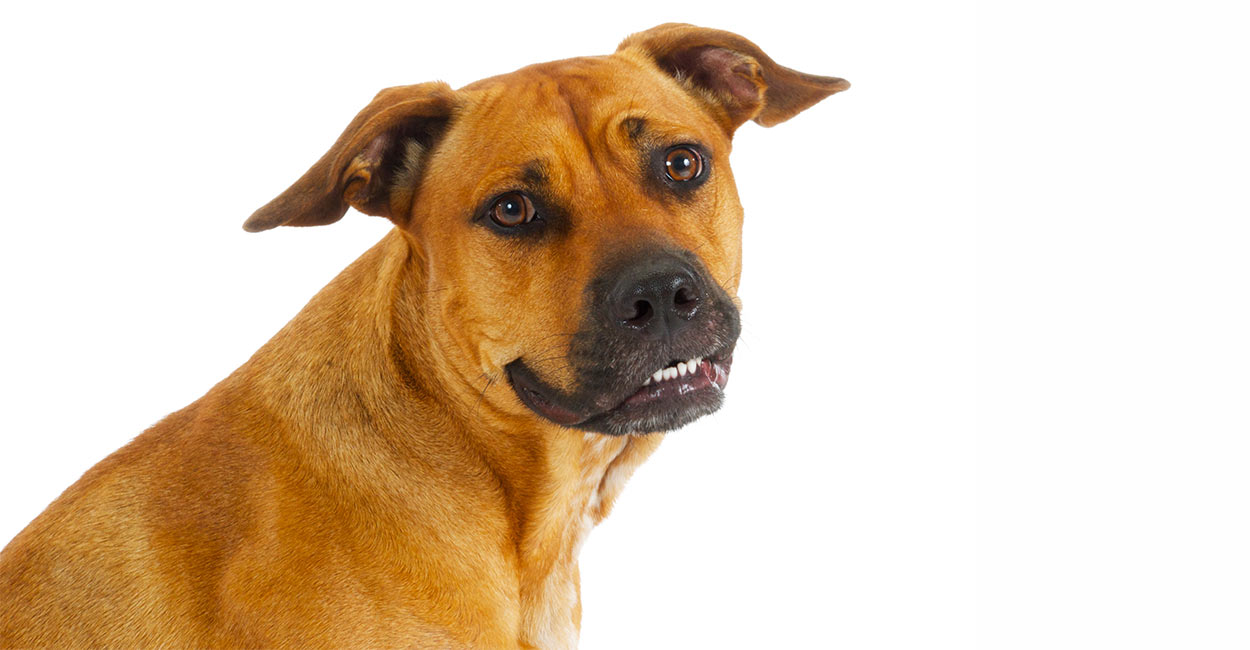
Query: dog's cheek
{"points": [[452, 295], [456, 327], [725, 258], [504, 307], [547, 329], [715, 233]]}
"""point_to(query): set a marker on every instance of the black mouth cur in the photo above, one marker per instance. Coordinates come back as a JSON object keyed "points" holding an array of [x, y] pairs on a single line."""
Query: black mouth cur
{"points": [[415, 459]]}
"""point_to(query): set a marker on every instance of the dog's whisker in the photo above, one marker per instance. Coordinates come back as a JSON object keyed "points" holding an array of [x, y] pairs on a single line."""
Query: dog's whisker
{"points": [[563, 357], [490, 381], [554, 335]]}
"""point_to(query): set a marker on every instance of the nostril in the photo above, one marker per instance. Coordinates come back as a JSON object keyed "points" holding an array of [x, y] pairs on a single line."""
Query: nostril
{"points": [[639, 313], [684, 297], [685, 302]]}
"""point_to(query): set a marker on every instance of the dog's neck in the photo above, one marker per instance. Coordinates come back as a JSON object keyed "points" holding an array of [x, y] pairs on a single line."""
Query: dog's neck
{"points": [[533, 487]]}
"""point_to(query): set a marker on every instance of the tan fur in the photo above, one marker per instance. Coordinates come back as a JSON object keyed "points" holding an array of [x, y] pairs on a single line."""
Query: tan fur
{"points": [[368, 478]]}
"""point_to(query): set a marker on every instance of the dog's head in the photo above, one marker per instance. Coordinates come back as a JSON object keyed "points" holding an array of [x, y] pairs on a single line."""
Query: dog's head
{"points": [[576, 221]]}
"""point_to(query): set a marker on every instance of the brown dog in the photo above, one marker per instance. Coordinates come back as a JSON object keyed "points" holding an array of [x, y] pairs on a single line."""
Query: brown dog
{"points": [[416, 458]]}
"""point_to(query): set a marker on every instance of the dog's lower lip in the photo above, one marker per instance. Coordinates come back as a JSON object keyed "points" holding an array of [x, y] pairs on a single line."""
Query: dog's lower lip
{"points": [[550, 410]]}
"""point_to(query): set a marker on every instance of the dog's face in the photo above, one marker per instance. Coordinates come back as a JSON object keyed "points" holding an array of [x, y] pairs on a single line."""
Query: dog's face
{"points": [[583, 226], [577, 222]]}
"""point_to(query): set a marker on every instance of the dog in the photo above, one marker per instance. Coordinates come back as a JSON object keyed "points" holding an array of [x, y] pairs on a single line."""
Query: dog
{"points": [[416, 458]]}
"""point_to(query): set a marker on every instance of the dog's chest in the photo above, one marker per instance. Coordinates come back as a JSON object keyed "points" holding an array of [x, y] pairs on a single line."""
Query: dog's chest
{"points": [[553, 612]]}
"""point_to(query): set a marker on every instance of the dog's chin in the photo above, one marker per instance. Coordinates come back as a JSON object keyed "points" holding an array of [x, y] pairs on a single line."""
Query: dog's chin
{"points": [[649, 405]]}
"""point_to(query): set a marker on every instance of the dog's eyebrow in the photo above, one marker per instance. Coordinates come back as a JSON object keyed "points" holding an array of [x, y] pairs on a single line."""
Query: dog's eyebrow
{"points": [[634, 127], [534, 174]]}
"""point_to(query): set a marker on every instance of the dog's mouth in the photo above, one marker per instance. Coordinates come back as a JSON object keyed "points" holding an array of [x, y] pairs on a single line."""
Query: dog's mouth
{"points": [[667, 399], [681, 378]]}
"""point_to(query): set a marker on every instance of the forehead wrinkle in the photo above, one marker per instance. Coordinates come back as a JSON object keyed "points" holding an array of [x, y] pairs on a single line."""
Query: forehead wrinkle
{"points": [[577, 120]]}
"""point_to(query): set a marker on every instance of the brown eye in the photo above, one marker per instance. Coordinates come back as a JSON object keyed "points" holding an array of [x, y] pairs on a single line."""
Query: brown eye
{"points": [[683, 164], [512, 209]]}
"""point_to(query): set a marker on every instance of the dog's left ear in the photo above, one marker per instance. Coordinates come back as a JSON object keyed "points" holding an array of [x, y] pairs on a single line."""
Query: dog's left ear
{"points": [[731, 75], [373, 166]]}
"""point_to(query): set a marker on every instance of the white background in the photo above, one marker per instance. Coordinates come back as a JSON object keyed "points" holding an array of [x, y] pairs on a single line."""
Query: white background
{"points": [[992, 387]]}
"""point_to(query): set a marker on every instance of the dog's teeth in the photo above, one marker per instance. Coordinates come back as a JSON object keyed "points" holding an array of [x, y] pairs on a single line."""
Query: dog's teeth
{"points": [[679, 369]]}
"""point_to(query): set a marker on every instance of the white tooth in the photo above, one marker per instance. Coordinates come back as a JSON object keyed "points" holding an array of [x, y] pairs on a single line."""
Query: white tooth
{"points": [[682, 369], [692, 366], [659, 375], [647, 382], [670, 373]]}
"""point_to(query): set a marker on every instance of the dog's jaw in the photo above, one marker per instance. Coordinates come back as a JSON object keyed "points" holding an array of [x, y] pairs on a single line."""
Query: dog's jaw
{"points": [[648, 406]]}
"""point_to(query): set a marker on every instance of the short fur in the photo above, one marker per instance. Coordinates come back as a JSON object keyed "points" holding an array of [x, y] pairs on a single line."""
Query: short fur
{"points": [[369, 478]]}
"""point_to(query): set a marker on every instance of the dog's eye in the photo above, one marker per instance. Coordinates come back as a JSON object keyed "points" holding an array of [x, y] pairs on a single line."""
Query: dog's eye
{"points": [[512, 209], [683, 164]]}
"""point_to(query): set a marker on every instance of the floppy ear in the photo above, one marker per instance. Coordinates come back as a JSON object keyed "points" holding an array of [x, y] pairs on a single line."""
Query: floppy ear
{"points": [[372, 167], [731, 75]]}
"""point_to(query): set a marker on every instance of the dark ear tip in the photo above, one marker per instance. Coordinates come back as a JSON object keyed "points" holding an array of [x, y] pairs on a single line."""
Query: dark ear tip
{"points": [[258, 222], [836, 85], [825, 86]]}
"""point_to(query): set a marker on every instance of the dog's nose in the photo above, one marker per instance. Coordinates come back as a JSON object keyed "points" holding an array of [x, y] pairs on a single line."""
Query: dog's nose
{"points": [[656, 297]]}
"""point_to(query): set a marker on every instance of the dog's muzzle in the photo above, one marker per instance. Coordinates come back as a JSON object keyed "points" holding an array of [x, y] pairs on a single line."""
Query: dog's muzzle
{"points": [[653, 354]]}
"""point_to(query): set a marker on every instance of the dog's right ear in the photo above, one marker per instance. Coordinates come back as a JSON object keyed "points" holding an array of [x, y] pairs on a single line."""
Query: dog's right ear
{"points": [[731, 75], [372, 167]]}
